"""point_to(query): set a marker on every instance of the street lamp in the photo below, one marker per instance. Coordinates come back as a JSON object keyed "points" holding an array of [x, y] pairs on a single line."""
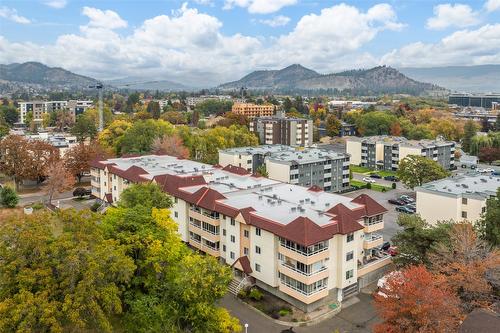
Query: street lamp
{"points": [[246, 328]]}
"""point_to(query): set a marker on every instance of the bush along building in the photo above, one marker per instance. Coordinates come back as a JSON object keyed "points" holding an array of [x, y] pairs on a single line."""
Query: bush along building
{"points": [[385, 152], [304, 245]]}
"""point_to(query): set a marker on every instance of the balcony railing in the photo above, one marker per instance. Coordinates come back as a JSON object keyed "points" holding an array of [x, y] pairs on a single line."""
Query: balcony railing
{"points": [[303, 292], [306, 254], [302, 272], [373, 237]]}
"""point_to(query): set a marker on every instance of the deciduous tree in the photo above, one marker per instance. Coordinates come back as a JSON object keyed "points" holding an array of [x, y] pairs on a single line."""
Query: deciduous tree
{"points": [[489, 154], [84, 128], [464, 260], [154, 109], [414, 300], [14, 157], [59, 274], [332, 125], [470, 130], [489, 224], [416, 170], [59, 179], [171, 145], [77, 159]]}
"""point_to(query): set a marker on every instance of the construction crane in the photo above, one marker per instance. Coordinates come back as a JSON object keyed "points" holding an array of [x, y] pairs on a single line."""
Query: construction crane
{"points": [[99, 86]]}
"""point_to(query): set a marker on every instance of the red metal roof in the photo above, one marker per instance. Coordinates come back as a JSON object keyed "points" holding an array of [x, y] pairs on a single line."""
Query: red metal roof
{"points": [[245, 264], [236, 170], [371, 207]]}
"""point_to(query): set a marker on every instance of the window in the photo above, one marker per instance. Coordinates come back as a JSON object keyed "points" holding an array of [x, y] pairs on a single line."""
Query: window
{"points": [[224, 248], [349, 256], [175, 199], [223, 232], [232, 222], [233, 239], [483, 210], [464, 201], [231, 255], [176, 214], [246, 233], [245, 251], [464, 215], [257, 250], [350, 237], [257, 267], [257, 231], [349, 274], [114, 187]]}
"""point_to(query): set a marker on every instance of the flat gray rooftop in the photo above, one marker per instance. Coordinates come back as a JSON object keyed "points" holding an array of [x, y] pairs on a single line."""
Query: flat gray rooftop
{"points": [[391, 140], [262, 149], [465, 185], [308, 155]]}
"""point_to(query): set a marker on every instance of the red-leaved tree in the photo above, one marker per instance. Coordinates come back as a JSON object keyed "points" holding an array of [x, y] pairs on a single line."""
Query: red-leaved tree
{"points": [[415, 300], [171, 145]]}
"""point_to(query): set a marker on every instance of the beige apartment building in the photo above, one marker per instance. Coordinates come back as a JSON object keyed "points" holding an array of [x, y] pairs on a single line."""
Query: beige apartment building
{"points": [[384, 152], [457, 198], [304, 245], [251, 110]]}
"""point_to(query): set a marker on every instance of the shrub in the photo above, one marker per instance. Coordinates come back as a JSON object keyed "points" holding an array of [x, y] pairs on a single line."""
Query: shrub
{"points": [[95, 206], [8, 197], [394, 185], [275, 315], [242, 294], [283, 312], [368, 185], [255, 294], [384, 189], [37, 206]]}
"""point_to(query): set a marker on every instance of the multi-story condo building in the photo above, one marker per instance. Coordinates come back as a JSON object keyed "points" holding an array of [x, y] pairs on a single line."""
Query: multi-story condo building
{"points": [[385, 152], [39, 108], [193, 101], [479, 100], [457, 198], [283, 131], [251, 110], [325, 169], [306, 246]]}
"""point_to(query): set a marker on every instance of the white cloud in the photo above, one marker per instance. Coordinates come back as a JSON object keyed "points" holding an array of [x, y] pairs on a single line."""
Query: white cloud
{"points": [[57, 4], [492, 5], [12, 15], [106, 19], [277, 21], [465, 47], [259, 6], [448, 15], [204, 2]]}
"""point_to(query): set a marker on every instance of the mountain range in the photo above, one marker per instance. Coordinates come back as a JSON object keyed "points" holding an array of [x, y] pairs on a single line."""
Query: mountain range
{"points": [[480, 78], [292, 79], [37, 74], [297, 79]]}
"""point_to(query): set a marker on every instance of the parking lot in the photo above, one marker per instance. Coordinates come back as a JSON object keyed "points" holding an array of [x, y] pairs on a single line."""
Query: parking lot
{"points": [[390, 218]]}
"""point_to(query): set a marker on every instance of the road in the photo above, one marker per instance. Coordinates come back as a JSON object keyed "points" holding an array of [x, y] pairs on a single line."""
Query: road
{"points": [[357, 318], [66, 200]]}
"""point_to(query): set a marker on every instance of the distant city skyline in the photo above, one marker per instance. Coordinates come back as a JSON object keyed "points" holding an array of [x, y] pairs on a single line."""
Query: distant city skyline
{"points": [[208, 42]]}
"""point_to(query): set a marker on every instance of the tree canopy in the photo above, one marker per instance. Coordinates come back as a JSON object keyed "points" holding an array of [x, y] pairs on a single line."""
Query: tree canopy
{"points": [[416, 170]]}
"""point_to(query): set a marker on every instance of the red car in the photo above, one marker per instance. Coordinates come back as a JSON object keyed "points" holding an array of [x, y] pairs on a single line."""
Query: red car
{"points": [[393, 250]]}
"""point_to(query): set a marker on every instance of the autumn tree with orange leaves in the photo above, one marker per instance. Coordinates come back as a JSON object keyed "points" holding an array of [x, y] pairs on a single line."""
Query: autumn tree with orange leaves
{"points": [[77, 159], [59, 179], [170, 145], [415, 300], [464, 260]]}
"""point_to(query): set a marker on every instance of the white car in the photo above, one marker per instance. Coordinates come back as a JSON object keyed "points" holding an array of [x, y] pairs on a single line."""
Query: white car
{"points": [[368, 180], [488, 170]]}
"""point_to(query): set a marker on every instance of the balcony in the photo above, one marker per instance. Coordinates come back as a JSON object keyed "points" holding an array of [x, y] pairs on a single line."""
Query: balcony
{"points": [[374, 265], [204, 217], [373, 240], [300, 295], [373, 224], [301, 276], [200, 245], [306, 258]]}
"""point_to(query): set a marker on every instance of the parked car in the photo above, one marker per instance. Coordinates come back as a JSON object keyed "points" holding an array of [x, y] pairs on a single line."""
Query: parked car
{"points": [[404, 209], [496, 173], [80, 192], [413, 208], [392, 178], [488, 170], [368, 180], [375, 175], [385, 246], [393, 251], [407, 199], [396, 202]]}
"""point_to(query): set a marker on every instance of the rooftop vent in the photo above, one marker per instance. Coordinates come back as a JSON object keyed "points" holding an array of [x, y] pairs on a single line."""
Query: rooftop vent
{"points": [[294, 209], [260, 197]]}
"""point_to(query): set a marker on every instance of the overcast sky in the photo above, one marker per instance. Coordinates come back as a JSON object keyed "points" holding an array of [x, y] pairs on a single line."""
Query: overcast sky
{"points": [[207, 42]]}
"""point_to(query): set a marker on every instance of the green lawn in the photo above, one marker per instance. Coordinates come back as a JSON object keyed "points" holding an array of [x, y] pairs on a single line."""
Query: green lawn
{"points": [[366, 171], [375, 187]]}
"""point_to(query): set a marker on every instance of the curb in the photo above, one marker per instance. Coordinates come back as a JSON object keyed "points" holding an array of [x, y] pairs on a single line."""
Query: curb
{"points": [[311, 322]]}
